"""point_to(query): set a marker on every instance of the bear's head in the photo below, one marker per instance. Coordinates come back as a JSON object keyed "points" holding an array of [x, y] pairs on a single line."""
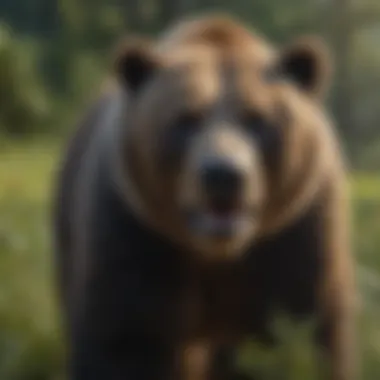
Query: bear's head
{"points": [[227, 137]]}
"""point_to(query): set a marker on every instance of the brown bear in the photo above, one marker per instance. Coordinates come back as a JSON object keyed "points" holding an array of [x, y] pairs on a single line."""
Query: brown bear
{"points": [[204, 189]]}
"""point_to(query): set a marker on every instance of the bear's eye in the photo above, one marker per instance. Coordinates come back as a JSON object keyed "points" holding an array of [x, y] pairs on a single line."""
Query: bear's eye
{"points": [[183, 128], [251, 118], [266, 135], [186, 124], [259, 128], [177, 136], [253, 122]]}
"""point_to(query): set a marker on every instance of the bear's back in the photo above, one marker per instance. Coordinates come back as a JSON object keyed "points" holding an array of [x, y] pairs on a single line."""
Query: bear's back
{"points": [[67, 180]]}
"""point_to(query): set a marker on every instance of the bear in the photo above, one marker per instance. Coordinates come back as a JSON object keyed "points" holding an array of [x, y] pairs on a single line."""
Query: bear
{"points": [[204, 188]]}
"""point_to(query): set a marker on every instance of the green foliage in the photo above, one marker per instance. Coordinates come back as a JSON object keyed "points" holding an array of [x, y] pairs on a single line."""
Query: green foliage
{"points": [[53, 64], [293, 358], [30, 340], [23, 105], [278, 20], [70, 32], [30, 345]]}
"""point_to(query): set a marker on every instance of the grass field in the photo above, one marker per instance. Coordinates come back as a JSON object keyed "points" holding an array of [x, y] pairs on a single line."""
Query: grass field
{"points": [[29, 335]]}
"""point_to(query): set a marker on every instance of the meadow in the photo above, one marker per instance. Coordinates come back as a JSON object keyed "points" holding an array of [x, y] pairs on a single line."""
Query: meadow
{"points": [[30, 340]]}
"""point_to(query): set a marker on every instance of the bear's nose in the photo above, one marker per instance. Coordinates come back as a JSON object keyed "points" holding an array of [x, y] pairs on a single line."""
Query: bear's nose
{"points": [[221, 180]]}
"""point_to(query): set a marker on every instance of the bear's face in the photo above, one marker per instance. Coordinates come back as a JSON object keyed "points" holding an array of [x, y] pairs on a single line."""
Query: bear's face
{"points": [[210, 131]]}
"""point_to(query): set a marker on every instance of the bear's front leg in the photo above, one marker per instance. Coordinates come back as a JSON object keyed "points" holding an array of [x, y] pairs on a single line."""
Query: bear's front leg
{"points": [[123, 326], [133, 356], [195, 360], [338, 342], [338, 291]]}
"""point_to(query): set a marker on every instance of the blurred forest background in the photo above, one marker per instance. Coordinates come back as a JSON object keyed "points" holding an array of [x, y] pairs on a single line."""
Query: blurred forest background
{"points": [[53, 56]]}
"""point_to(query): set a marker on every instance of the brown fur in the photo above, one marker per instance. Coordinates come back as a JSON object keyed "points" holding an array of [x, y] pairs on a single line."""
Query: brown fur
{"points": [[191, 56], [217, 63]]}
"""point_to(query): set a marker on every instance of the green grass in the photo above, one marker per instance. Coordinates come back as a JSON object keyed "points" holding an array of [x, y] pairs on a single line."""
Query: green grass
{"points": [[29, 340], [366, 186], [30, 346]]}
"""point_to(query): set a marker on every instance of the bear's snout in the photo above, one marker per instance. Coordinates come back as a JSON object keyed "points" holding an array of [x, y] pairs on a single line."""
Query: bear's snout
{"points": [[221, 182]]}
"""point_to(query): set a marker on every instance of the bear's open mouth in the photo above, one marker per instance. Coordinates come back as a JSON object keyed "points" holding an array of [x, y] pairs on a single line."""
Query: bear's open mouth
{"points": [[223, 209], [219, 222]]}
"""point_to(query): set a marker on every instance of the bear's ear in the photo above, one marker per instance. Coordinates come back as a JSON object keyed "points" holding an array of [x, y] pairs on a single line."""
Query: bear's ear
{"points": [[135, 62], [308, 64]]}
